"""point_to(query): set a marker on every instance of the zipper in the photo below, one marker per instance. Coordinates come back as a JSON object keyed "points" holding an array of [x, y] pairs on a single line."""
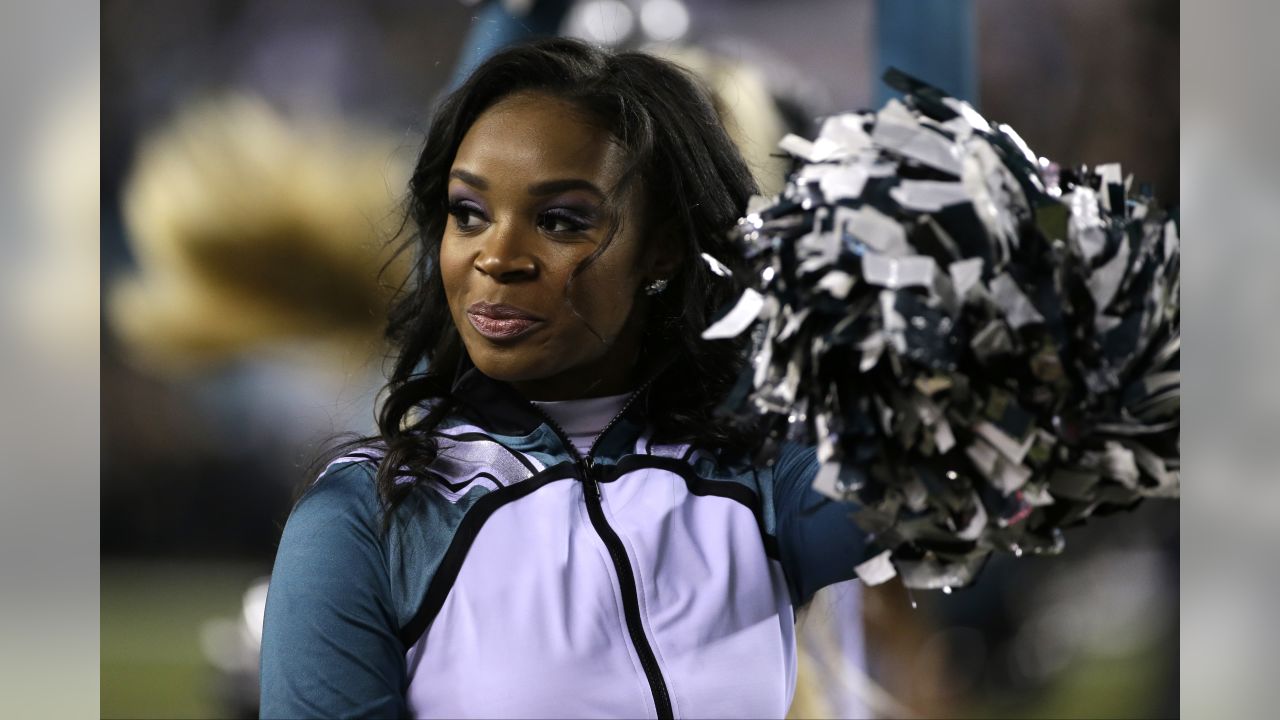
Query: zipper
{"points": [[618, 554]]}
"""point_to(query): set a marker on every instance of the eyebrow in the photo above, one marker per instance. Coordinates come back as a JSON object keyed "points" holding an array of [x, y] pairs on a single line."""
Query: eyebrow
{"points": [[551, 187], [474, 181], [547, 187]]}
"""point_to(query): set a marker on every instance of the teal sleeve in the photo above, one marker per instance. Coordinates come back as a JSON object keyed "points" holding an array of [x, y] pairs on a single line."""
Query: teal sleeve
{"points": [[818, 541], [330, 646]]}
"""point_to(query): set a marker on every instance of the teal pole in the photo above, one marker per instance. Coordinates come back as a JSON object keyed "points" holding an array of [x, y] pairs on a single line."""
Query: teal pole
{"points": [[934, 40]]}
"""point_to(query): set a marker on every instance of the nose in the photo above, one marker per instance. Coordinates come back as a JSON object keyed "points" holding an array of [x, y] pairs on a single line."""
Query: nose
{"points": [[506, 257]]}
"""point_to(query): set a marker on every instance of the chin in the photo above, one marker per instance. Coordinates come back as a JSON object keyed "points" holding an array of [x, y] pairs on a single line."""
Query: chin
{"points": [[507, 366]]}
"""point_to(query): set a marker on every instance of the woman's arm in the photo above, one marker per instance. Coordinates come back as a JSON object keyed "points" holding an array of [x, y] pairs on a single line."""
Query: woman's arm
{"points": [[329, 640], [818, 541]]}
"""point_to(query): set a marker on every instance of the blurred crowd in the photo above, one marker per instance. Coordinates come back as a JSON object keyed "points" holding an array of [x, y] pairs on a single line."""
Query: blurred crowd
{"points": [[254, 159]]}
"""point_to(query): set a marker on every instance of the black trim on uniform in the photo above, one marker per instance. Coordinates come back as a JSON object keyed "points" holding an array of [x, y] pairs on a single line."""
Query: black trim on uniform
{"points": [[630, 601], [451, 563], [698, 486], [618, 555]]}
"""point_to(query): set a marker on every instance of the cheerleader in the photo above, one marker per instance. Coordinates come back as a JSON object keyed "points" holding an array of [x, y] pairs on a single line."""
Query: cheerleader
{"points": [[554, 520]]}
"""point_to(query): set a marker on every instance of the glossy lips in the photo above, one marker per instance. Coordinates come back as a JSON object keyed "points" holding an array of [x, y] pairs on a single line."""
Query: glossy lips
{"points": [[501, 322]]}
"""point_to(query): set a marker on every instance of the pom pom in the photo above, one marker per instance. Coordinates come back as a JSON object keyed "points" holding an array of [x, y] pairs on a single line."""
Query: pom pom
{"points": [[249, 228], [983, 346]]}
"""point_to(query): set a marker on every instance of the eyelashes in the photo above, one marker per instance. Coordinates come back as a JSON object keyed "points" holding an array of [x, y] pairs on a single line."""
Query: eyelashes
{"points": [[565, 220], [469, 217], [465, 214]]}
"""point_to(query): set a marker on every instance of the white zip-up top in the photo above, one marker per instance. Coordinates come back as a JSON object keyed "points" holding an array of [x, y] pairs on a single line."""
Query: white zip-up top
{"points": [[537, 573]]}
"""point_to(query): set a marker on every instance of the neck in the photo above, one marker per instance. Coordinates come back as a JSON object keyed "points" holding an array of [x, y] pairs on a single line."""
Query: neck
{"points": [[571, 386]]}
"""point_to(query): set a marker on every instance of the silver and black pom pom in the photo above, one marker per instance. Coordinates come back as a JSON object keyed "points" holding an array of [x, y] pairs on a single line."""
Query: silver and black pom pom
{"points": [[983, 346]]}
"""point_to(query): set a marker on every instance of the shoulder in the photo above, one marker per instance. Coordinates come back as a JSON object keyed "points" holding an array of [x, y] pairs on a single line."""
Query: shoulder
{"points": [[329, 642], [341, 506], [795, 465], [346, 483]]}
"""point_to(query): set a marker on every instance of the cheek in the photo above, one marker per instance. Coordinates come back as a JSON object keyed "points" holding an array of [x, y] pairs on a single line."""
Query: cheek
{"points": [[605, 296], [455, 268]]}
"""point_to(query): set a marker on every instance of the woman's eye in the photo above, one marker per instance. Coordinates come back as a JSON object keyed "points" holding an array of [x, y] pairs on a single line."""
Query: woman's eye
{"points": [[563, 221], [466, 215]]}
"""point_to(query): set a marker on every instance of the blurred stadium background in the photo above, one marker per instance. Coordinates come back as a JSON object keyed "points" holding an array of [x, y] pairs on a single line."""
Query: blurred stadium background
{"points": [[253, 157]]}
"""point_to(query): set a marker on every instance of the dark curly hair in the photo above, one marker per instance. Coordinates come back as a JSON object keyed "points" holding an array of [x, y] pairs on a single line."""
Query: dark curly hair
{"points": [[693, 186]]}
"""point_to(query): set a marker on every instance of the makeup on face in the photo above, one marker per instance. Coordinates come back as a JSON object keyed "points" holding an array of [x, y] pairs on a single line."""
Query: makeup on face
{"points": [[501, 322], [562, 207], [527, 209]]}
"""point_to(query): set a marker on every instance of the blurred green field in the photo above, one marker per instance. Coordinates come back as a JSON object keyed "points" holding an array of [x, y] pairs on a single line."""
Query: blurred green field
{"points": [[151, 614], [1094, 687]]}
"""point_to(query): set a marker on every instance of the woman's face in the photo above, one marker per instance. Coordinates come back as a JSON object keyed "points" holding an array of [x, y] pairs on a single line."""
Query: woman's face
{"points": [[528, 202]]}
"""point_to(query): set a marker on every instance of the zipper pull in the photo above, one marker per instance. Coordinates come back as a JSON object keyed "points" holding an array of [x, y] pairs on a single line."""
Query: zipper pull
{"points": [[589, 478]]}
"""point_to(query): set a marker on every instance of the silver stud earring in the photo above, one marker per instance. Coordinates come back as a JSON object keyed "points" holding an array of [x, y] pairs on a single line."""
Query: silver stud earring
{"points": [[656, 286]]}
